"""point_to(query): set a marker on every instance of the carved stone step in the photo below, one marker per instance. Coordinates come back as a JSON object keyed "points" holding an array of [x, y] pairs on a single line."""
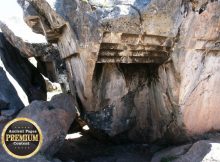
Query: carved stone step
{"points": [[135, 39], [148, 47], [134, 59]]}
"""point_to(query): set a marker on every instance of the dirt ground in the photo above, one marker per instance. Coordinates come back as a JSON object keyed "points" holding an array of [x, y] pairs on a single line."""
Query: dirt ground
{"points": [[85, 148]]}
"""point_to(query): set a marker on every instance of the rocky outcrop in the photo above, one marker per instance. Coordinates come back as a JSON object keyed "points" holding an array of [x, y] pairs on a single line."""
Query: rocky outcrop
{"points": [[26, 49], [199, 70], [20, 81], [47, 55], [143, 70], [200, 151], [54, 118]]}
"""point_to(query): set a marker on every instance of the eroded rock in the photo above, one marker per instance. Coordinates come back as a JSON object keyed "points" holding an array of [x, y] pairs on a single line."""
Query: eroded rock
{"points": [[144, 69], [54, 119], [199, 70], [26, 49], [201, 151], [4, 157], [21, 82]]}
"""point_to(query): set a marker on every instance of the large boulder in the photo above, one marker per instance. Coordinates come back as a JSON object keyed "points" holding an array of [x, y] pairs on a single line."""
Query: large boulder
{"points": [[54, 118]]}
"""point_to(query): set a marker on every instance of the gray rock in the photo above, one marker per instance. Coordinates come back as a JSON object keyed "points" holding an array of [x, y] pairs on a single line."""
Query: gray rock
{"points": [[201, 151], [5, 157], [2, 119], [26, 49], [8, 93], [3, 104], [22, 82], [54, 119], [8, 113]]}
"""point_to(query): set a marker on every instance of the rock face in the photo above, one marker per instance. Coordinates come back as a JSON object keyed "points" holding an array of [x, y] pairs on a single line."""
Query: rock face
{"points": [[54, 119], [47, 55], [20, 81], [199, 89], [146, 70], [26, 49]]}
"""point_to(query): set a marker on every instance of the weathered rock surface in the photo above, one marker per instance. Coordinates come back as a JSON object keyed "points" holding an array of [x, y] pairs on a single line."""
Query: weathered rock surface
{"points": [[198, 65], [3, 104], [20, 81], [4, 157], [201, 151], [47, 55], [26, 49], [54, 119], [146, 70], [81, 149]]}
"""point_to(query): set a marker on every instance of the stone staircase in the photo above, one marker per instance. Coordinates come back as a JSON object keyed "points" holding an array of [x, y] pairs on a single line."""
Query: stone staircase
{"points": [[134, 48]]}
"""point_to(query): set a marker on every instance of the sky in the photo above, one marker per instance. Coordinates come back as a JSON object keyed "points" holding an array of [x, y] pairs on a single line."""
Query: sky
{"points": [[11, 14]]}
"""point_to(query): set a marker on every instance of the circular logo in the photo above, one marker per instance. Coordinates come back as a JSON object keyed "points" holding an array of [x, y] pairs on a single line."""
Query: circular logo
{"points": [[22, 138]]}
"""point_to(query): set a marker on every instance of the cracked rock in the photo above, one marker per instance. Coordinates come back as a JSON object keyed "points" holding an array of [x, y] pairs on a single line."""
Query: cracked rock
{"points": [[54, 119]]}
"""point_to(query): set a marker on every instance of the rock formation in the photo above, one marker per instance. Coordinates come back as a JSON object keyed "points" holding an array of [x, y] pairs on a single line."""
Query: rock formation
{"points": [[142, 70], [20, 81], [47, 55], [200, 151], [54, 118], [4, 157], [22, 85], [26, 49]]}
